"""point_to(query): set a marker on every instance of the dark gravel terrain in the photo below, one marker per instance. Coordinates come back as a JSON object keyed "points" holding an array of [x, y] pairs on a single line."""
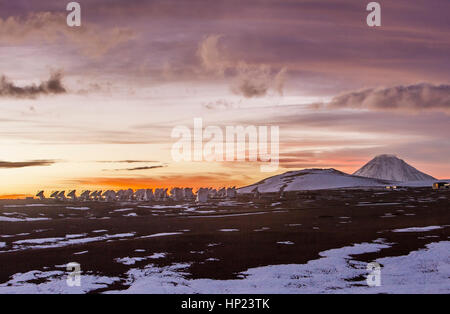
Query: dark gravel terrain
{"points": [[220, 239]]}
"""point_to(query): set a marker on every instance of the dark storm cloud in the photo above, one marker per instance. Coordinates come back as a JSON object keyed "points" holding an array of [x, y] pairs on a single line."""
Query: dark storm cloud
{"points": [[131, 161], [51, 86], [326, 44], [257, 81], [248, 79], [23, 164], [137, 168], [142, 168], [419, 97], [128, 161], [32, 27], [430, 124]]}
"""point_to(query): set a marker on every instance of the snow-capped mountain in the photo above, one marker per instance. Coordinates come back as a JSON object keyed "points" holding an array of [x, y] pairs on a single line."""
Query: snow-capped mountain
{"points": [[389, 167], [312, 179]]}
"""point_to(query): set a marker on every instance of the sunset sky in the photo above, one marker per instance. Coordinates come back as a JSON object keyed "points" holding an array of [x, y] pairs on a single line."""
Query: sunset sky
{"points": [[93, 107]]}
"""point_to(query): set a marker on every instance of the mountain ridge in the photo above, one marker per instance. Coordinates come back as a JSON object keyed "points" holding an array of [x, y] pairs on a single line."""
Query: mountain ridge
{"points": [[312, 179], [390, 167], [388, 170]]}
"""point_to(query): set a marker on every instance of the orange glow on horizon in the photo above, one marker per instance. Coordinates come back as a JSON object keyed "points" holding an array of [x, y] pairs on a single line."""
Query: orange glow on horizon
{"points": [[14, 196], [195, 182]]}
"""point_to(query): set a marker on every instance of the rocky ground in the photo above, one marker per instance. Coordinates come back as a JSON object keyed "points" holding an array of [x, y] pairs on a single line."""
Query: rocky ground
{"points": [[296, 246]]}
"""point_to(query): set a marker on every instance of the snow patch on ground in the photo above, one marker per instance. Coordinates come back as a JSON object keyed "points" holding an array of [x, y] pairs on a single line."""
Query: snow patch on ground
{"points": [[27, 205], [418, 229], [52, 282], [286, 242], [162, 234], [337, 271], [162, 206], [232, 215], [12, 219], [80, 253], [129, 260], [44, 243], [133, 260], [122, 209], [157, 255], [377, 204], [78, 208], [38, 241]]}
